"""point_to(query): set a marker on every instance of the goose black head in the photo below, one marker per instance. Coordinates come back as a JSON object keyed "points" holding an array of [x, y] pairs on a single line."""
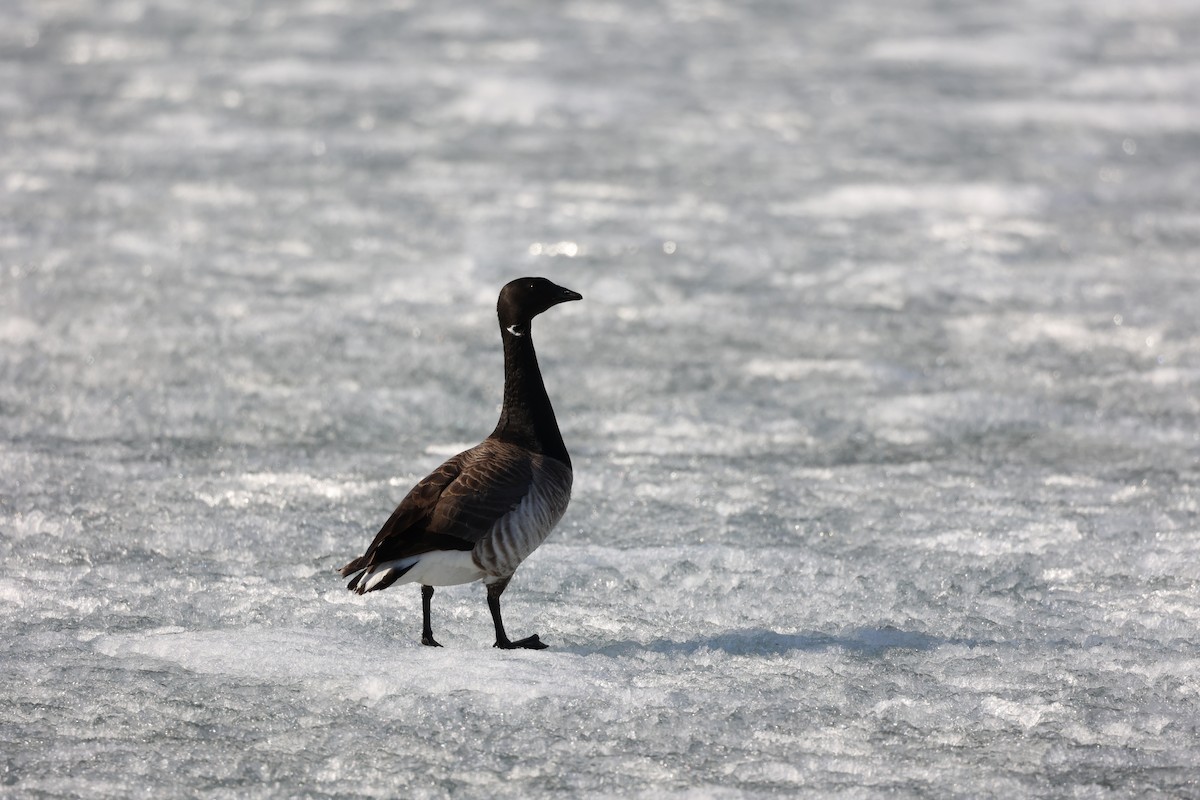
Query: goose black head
{"points": [[523, 299]]}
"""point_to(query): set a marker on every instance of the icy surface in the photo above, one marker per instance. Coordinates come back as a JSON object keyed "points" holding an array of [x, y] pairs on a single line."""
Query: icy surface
{"points": [[884, 397]]}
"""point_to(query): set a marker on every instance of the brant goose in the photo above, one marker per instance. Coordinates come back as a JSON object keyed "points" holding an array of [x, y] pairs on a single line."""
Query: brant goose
{"points": [[480, 514]]}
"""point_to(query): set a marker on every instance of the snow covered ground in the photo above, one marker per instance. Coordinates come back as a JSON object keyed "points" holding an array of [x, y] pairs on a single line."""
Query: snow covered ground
{"points": [[884, 395]]}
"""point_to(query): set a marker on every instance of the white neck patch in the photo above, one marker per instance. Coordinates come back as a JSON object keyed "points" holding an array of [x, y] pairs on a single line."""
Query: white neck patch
{"points": [[516, 330]]}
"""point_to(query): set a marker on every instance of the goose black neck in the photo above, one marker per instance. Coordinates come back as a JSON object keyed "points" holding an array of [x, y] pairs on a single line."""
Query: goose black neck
{"points": [[527, 418]]}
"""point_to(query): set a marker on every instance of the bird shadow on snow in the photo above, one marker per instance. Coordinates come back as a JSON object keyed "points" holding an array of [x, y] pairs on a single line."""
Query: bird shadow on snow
{"points": [[766, 642]]}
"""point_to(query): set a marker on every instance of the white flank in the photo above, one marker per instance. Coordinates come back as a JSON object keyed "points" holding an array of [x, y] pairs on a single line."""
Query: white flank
{"points": [[444, 568], [436, 568]]}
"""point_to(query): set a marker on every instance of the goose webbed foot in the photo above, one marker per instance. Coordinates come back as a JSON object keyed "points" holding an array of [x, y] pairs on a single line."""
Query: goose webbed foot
{"points": [[494, 590], [528, 643]]}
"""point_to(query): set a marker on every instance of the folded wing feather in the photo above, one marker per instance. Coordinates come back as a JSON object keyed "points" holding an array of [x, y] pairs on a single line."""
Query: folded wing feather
{"points": [[454, 507]]}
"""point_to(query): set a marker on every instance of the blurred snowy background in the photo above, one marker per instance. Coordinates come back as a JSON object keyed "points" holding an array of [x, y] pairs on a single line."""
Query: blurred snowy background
{"points": [[884, 396]]}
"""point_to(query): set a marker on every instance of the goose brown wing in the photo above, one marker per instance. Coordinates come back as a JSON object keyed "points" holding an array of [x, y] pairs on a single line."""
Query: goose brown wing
{"points": [[406, 531], [454, 506], [494, 478]]}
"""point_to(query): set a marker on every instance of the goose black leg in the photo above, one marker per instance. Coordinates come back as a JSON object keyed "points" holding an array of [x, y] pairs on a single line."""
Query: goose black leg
{"points": [[494, 590], [426, 628]]}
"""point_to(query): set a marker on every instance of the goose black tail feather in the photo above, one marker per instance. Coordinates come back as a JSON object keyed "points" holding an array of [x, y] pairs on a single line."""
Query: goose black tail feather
{"points": [[358, 565], [359, 584]]}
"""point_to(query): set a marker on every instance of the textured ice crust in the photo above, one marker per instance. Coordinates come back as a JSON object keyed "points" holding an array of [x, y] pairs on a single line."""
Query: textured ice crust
{"points": [[882, 400]]}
